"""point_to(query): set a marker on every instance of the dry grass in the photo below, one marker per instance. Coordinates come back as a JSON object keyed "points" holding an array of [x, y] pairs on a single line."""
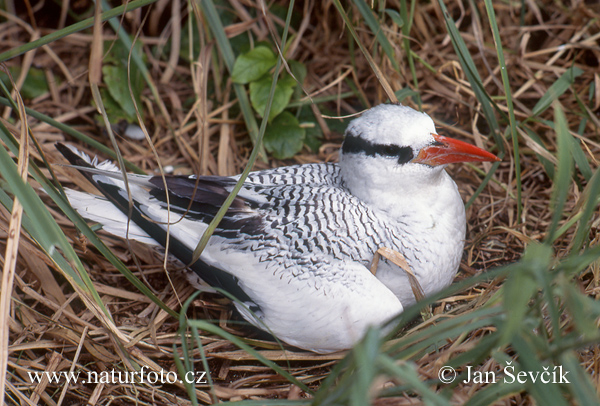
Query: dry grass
{"points": [[52, 328]]}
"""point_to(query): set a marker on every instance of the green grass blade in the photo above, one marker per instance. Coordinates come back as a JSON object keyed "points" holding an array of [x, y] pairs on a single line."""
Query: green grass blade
{"points": [[253, 156], [548, 165], [364, 353], [483, 184], [384, 83], [470, 70], [44, 229], [410, 55], [211, 328], [216, 27], [592, 192], [73, 28], [74, 133], [50, 237], [521, 285], [82, 226], [563, 171], [405, 372], [80, 277], [575, 264], [561, 85], [580, 159], [492, 393], [509, 103], [435, 336], [487, 104], [370, 19], [579, 385], [545, 394]]}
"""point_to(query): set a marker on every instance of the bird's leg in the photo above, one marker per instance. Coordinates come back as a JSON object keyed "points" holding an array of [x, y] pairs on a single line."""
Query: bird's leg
{"points": [[398, 259]]}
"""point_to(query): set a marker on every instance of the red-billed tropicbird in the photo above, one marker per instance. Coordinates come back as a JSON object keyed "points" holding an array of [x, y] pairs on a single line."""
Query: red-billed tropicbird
{"points": [[296, 244]]}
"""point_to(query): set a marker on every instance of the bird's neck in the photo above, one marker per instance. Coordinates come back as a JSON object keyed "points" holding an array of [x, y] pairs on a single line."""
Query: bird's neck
{"points": [[407, 198]]}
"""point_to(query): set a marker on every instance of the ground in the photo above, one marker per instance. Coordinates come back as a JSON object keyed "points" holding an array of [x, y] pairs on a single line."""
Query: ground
{"points": [[526, 292]]}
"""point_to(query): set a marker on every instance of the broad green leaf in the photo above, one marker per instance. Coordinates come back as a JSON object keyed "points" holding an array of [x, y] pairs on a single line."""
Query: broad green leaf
{"points": [[120, 105], [286, 81], [35, 83], [313, 131], [252, 65], [259, 95], [284, 137], [298, 70], [115, 76], [556, 90], [213, 20]]}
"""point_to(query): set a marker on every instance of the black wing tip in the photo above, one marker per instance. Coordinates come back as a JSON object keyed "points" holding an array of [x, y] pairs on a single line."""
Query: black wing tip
{"points": [[63, 149], [71, 156]]}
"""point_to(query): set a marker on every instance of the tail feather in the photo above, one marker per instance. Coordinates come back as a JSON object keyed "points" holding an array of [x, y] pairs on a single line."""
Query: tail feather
{"points": [[113, 212]]}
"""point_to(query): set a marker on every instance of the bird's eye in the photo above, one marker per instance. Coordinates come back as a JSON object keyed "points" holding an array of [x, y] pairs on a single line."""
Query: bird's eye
{"points": [[390, 150], [405, 155]]}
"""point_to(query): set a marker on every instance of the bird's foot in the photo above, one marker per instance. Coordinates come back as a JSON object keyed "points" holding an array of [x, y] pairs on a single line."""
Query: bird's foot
{"points": [[398, 259]]}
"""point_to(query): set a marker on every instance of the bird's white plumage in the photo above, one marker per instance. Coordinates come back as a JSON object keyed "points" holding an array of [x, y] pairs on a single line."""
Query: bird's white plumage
{"points": [[394, 124], [306, 234]]}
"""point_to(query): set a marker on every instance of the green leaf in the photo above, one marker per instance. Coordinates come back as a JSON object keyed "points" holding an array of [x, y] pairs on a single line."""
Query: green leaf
{"points": [[116, 95], [287, 81], [115, 78], [298, 70], [395, 16], [405, 93], [314, 134], [213, 20], [252, 65], [556, 90], [521, 285], [592, 191], [547, 164], [564, 170], [259, 95], [284, 137], [371, 19], [470, 69], [35, 83]]}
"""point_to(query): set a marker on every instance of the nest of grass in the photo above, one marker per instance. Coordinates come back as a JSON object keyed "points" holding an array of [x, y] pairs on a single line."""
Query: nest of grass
{"points": [[53, 328]]}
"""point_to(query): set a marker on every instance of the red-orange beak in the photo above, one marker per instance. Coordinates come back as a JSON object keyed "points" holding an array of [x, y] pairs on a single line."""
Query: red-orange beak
{"points": [[448, 150]]}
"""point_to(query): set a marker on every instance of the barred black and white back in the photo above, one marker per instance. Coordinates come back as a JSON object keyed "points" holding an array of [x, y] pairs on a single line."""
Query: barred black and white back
{"points": [[295, 245]]}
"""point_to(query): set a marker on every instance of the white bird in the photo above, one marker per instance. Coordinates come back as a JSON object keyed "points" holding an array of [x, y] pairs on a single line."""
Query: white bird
{"points": [[296, 244]]}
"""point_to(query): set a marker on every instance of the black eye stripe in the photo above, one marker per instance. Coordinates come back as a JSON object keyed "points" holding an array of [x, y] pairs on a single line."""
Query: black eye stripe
{"points": [[355, 145]]}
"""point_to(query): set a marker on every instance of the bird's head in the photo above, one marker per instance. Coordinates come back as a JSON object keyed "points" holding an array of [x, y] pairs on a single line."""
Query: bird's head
{"points": [[396, 147]]}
